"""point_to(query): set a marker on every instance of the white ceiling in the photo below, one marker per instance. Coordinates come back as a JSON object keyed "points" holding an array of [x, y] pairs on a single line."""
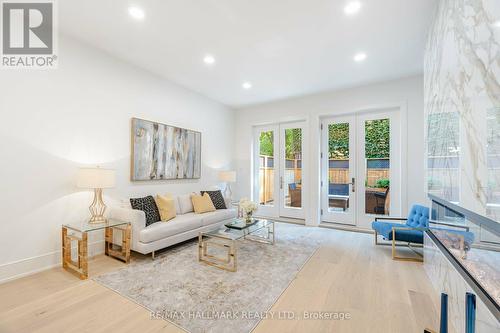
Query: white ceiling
{"points": [[284, 48]]}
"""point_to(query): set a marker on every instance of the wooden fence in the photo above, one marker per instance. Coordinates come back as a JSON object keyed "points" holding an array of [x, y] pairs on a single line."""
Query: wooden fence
{"points": [[373, 175], [294, 175], [341, 176], [266, 188]]}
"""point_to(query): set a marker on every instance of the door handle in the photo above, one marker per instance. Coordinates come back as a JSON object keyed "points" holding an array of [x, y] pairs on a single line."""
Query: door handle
{"points": [[281, 182], [353, 183]]}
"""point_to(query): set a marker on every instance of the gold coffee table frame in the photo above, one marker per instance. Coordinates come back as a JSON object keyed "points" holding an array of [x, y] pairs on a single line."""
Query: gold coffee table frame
{"points": [[79, 233], [226, 239]]}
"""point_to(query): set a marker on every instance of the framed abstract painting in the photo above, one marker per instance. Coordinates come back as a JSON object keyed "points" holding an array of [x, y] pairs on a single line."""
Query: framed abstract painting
{"points": [[161, 152]]}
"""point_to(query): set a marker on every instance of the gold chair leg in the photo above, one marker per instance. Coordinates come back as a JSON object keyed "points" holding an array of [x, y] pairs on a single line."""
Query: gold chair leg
{"points": [[394, 257]]}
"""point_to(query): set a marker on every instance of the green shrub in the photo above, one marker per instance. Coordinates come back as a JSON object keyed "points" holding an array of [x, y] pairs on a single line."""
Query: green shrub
{"points": [[383, 183]]}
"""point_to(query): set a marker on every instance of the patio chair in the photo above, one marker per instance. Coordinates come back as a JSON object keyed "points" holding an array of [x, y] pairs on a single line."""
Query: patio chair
{"points": [[411, 232], [380, 198]]}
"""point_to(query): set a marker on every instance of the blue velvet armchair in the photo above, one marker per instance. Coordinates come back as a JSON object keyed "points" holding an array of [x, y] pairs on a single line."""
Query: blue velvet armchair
{"points": [[411, 232]]}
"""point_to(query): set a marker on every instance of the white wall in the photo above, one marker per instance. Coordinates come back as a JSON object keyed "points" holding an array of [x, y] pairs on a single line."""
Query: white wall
{"points": [[54, 121], [407, 92]]}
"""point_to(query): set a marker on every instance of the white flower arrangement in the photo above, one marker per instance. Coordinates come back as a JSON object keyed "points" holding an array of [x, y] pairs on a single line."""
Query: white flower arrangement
{"points": [[248, 207]]}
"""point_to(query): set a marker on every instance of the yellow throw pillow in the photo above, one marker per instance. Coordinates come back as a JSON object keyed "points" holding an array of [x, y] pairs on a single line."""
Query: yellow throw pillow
{"points": [[202, 203], [166, 207]]}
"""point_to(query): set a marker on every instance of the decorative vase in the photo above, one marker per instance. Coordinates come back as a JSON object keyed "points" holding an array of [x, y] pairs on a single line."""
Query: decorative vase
{"points": [[248, 218]]}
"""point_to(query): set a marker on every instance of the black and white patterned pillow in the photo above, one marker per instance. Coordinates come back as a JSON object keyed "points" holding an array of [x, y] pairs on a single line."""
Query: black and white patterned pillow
{"points": [[217, 199], [148, 206]]}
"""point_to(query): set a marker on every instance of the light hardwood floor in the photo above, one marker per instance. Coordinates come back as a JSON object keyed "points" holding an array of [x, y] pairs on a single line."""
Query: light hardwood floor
{"points": [[349, 274]]}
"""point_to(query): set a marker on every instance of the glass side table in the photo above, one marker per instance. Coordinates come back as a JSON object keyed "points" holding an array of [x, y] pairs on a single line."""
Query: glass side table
{"points": [[79, 232]]}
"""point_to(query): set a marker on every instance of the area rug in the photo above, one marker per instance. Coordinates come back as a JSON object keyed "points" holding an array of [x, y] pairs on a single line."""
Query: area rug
{"points": [[201, 298]]}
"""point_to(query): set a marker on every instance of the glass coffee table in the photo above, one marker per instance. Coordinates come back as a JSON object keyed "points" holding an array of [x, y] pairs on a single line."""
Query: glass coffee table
{"points": [[224, 240], [78, 232]]}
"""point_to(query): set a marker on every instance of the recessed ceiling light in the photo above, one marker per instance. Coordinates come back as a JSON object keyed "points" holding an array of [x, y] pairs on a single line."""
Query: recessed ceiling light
{"points": [[360, 57], [246, 85], [136, 12], [352, 7], [209, 59], [497, 24]]}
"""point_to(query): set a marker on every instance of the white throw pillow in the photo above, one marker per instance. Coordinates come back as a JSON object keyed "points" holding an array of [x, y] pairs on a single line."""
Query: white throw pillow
{"points": [[185, 203], [177, 205]]}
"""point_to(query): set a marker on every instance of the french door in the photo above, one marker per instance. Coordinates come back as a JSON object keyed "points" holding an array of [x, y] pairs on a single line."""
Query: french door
{"points": [[279, 171], [338, 181], [360, 167]]}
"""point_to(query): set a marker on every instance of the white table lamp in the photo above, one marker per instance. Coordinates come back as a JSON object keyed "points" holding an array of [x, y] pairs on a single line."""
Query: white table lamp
{"points": [[227, 177], [96, 179]]}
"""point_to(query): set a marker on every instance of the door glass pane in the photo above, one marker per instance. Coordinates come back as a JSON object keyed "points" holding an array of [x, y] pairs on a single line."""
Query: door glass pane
{"points": [[377, 162], [292, 179], [338, 167], [266, 168]]}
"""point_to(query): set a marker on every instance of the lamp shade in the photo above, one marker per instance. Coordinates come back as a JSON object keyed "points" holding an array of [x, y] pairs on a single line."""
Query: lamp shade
{"points": [[227, 176], [94, 178]]}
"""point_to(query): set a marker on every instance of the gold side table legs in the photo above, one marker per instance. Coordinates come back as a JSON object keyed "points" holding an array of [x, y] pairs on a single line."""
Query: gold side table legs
{"points": [[123, 251], [80, 266]]}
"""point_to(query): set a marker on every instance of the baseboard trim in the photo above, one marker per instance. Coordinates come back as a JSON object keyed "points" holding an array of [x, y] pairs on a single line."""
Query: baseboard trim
{"points": [[25, 267], [344, 227], [283, 219]]}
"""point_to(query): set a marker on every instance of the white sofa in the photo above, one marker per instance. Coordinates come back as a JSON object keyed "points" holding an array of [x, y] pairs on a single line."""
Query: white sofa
{"points": [[184, 226]]}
